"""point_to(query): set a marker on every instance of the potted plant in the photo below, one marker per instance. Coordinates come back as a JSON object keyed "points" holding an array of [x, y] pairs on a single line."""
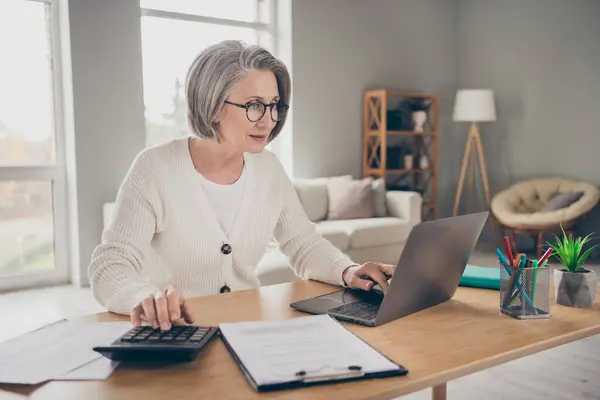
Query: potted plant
{"points": [[574, 285]]}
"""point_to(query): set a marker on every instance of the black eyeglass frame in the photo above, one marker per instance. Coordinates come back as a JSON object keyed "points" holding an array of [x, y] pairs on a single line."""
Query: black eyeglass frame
{"points": [[265, 106]]}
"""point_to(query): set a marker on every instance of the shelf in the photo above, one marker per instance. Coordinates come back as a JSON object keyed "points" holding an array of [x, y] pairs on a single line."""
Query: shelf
{"points": [[385, 141], [373, 132], [411, 133], [406, 171], [395, 93]]}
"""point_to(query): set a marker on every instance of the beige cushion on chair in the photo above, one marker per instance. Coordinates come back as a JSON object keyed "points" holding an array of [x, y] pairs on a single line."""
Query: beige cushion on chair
{"points": [[521, 204]]}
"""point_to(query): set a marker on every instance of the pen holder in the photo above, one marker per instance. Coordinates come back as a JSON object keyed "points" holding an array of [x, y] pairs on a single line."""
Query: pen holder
{"points": [[525, 292]]}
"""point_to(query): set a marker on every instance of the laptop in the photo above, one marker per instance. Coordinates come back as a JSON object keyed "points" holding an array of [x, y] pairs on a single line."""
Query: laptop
{"points": [[427, 274]]}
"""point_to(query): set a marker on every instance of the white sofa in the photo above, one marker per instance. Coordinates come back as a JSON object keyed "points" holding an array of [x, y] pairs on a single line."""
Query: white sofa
{"points": [[367, 239]]}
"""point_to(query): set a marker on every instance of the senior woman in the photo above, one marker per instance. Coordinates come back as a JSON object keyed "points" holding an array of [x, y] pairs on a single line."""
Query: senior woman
{"points": [[194, 216]]}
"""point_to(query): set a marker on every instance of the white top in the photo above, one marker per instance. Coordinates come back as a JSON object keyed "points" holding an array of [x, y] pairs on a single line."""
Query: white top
{"points": [[164, 231], [225, 200]]}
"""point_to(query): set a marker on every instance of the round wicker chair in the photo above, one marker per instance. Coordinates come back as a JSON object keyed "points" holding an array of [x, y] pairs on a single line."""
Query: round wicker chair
{"points": [[532, 208]]}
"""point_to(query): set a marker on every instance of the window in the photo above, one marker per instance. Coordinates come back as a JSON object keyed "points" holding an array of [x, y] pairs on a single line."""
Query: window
{"points": [[173, 33], [32, 201]]}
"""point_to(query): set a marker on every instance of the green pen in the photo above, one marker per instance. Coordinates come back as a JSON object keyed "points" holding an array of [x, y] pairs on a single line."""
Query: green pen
{"points": [[535, 266]]}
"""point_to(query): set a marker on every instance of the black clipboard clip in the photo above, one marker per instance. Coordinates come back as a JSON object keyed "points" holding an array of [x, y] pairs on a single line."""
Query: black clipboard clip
{"points": [[317, 375]]}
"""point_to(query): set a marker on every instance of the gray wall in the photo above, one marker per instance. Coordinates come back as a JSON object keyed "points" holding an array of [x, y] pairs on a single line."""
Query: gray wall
{"points": [[542, 59], [106, 107], [343, 47]]}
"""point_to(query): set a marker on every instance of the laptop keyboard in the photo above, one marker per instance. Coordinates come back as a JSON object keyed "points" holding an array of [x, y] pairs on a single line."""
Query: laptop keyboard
{"points": [[358, 310]]}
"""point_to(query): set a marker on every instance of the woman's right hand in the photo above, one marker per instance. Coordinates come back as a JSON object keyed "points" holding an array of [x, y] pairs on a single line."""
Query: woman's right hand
{"points": [[162, 309]]}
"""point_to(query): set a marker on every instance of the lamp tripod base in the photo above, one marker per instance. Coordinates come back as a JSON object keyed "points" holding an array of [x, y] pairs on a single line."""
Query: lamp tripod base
{"points": [[473, 148]]}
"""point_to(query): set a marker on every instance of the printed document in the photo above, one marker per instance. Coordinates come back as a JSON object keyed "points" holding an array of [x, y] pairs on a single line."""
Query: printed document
{"points": [[274, 351]]}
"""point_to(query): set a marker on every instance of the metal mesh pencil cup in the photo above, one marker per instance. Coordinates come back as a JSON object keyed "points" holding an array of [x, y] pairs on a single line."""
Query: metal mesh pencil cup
{"points": [[525, 292]]}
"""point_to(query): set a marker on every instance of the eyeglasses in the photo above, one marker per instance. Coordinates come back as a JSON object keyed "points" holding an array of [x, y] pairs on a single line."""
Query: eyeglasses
{"points": [[256, 109]]}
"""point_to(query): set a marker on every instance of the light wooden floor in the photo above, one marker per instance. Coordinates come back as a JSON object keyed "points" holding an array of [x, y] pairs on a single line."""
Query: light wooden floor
{"points": [[569, 372]]}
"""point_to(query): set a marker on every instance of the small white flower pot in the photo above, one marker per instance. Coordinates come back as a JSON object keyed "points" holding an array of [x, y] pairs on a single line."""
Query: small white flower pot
{"points": [[408, 161], [575, 289], [419, 118]]}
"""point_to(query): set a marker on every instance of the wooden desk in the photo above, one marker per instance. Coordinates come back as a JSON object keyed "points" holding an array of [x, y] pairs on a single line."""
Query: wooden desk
{"points": [[462, 336]]}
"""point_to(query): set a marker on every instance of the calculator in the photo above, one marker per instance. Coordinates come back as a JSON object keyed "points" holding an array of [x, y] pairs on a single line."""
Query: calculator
{"points": [[181, 343]]}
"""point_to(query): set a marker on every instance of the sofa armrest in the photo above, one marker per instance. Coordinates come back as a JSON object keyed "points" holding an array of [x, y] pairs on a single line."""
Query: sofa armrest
{"points": [[405, 205]]}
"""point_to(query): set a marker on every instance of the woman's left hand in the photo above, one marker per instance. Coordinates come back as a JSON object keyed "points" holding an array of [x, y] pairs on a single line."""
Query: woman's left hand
{"points": [[367, 275]]}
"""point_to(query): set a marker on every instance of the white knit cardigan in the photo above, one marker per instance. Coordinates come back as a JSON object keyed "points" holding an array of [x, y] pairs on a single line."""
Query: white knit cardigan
{"points": [[164, 232]]}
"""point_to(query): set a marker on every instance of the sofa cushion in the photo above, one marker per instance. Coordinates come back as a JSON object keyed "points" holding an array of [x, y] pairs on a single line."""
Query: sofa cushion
{"points": [[379, 198], [338, 237], [369, 232], [350, 199], [313, 196]]}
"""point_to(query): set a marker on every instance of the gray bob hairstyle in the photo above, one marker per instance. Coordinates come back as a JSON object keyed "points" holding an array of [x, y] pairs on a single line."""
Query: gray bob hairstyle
{"points": [[213, 74]]}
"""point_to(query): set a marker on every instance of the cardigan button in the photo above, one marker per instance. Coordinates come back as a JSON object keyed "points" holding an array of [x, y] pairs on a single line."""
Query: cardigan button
{"points": [[225, 289], [226, 249]]}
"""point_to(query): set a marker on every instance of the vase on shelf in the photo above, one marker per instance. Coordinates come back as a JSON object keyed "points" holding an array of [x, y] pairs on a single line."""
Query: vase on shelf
{"points": [[408, 161], [424, 162], [419, 119]]}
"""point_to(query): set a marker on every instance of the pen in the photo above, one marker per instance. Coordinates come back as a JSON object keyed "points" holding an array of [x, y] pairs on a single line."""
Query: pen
{"points": [[535, 265], [523, 260], [501, 257], [509, 251], [545, 256], [518, 260]]}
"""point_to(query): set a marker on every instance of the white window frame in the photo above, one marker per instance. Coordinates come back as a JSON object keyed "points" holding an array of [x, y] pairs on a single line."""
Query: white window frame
{"points": [[56, 174], [280, 43]]}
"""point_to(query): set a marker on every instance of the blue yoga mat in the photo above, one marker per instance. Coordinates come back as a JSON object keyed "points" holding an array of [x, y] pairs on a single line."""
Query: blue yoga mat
{"points": [[481, 277]]}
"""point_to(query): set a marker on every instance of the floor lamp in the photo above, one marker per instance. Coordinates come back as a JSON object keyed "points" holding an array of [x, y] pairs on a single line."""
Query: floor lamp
{"points": [[473, 105]]}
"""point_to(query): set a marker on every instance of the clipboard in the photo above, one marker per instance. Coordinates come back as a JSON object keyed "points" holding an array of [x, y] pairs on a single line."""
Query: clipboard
{"points": [[326, 374]]}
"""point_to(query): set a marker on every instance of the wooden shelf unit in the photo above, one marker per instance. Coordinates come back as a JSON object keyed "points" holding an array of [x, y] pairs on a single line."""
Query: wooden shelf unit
{"points": [[378, 138]]}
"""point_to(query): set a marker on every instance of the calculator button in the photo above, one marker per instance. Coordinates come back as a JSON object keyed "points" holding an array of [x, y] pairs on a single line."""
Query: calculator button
{"points": [[196, 338], [144, 335], [185, 335], [167, 338], [155, 337]]}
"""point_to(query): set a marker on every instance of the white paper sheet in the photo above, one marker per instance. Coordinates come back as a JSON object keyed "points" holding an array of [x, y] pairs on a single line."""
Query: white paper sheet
{"points": [[274, 351], [56, 350], [96, 370]]}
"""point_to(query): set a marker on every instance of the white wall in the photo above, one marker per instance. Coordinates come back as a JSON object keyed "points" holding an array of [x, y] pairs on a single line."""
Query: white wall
{"points": [[104, 115]]}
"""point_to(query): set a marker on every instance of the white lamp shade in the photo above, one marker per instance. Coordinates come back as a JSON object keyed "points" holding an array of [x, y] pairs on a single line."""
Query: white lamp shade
{"points": [[474, 105]]}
